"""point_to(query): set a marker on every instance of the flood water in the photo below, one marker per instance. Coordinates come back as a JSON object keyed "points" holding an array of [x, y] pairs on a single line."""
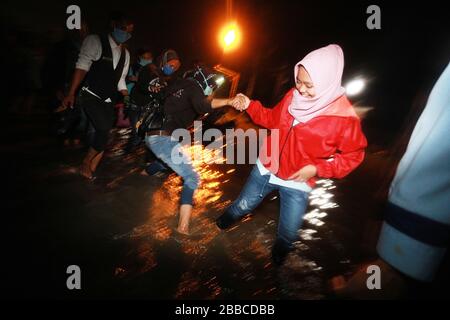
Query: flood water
{"points": [[119, 228]]}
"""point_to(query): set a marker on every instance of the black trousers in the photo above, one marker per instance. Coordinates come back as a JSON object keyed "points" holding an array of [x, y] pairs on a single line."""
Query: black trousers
{"points": [[101, 115], [134, 114]]}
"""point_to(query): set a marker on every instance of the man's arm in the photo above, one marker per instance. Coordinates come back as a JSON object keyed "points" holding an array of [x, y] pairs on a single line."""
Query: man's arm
{"points": [[219, 103], [90, 51], [77, 78], [122, 86]]}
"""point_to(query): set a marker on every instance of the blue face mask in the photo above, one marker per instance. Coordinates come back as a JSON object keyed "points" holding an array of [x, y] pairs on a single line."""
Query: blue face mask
{"points": [[168, 70], [120, 36], [144, 62]]}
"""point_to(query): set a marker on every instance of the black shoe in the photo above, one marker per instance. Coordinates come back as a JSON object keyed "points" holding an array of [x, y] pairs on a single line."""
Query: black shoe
{"points": [[157, 169], [225, 221], [280, 252]]}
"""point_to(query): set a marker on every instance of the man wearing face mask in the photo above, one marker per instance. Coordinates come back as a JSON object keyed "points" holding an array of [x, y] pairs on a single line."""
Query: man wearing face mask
{"points": [[153, 79], [134, 110], [144, 58], [185, 100], [103, 65]]}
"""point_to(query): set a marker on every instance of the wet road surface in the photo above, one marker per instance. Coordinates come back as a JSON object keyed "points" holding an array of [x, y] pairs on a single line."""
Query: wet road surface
{"points": [[118, 229]]}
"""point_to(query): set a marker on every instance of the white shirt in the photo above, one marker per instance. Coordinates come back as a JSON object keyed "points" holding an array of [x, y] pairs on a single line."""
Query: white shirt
{"points": [[91, 50], [303, 186]]}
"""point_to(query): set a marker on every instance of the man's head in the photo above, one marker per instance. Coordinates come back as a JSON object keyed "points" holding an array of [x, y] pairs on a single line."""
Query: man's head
{"points": [[122, 27], [145, 56], [170, 62]]}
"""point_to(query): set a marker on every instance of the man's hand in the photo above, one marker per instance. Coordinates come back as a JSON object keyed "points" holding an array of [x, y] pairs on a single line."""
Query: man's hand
{"points": [[126, 101], [77, 78], [68, 101], [154, 88], [126, 106], [138, 124], [304, 174], [60, 109]]}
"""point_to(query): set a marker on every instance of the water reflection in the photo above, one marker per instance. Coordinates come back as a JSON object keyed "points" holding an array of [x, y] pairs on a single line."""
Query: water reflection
{"points": [[320, 199], [246, 250], [164, 204]]}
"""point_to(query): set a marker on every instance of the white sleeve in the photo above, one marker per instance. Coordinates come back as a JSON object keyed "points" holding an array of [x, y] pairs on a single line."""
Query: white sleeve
{"points": [[122, 84], [91, 50]]}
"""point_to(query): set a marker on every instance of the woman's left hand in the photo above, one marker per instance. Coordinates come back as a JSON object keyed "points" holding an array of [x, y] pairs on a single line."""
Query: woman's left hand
{"points": [[304, 174]]}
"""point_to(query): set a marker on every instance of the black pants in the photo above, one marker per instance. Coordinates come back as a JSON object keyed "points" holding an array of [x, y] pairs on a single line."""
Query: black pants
{"points": [[101, 115], [134, 114]]}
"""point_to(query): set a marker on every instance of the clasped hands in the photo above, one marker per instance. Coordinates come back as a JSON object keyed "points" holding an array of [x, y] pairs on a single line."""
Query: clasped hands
{"points": [[240, 102]]}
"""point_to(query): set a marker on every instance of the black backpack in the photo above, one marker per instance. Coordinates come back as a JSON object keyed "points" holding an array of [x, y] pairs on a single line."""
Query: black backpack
{"points": [[152, 117]]}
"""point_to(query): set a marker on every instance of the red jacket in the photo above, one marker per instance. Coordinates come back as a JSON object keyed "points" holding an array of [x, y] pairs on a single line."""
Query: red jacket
{"points": [[332, 141]]}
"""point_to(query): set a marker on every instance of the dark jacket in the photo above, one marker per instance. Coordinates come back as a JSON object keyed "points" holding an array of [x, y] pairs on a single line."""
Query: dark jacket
{"points": [[102, 78], [184, 102], [148, 76]]}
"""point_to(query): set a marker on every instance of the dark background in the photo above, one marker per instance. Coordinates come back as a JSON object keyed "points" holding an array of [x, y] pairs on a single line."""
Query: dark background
{"points": [[401, 61]]}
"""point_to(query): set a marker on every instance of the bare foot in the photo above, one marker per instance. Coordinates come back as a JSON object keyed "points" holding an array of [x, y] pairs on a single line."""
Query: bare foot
{"points": [[86, 172], [184, 234], [95, 161], [143, 173], [183, 231]]}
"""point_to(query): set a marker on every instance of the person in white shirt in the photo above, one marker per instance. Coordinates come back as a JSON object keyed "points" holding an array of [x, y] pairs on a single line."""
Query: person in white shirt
{"points": [[102, 67]]}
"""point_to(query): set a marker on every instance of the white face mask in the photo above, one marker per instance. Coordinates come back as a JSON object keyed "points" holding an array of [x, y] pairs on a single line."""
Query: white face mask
{"points": [[207, 91]]}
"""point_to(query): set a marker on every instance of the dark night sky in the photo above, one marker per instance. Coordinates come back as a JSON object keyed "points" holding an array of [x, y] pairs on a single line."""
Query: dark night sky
{"points": [[405, 56]]}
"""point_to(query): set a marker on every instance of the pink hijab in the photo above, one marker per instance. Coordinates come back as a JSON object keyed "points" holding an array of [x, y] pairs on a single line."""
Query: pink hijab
{"points": [[325, 67]]}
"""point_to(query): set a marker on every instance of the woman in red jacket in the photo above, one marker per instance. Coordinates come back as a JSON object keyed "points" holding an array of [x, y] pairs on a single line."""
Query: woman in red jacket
{"points": [[314, 133]]}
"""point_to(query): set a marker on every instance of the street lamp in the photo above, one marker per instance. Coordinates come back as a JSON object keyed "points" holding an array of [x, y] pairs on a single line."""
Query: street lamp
{"points": [[230, 37]]}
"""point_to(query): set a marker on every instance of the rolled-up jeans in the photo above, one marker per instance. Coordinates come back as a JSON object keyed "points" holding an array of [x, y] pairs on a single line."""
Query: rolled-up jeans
{"points": [[171, 153]]}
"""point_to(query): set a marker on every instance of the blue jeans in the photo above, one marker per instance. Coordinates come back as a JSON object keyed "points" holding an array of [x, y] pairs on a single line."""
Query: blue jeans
{"points": [[163, 147], [293, 204], [156, 167]]}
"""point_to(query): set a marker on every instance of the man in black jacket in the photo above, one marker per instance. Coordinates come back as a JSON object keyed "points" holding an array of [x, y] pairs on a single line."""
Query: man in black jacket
{"points": [[186, 99]]}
